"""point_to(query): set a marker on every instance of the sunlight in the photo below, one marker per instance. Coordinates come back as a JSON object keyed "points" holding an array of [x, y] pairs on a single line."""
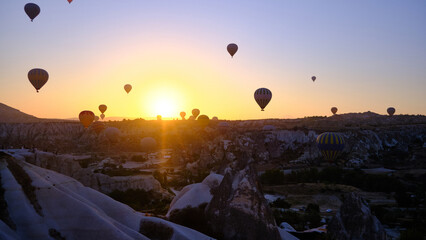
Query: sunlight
{"points": [[165, 107], [164, 102]]}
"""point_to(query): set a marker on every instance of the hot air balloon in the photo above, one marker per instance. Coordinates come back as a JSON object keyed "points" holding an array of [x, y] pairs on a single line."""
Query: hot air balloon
{"points": [[112, 134], [232, 49], [96, 118], [182, 115], [334, 110], [38, 77], [262, 97], [313, 78], [69, 1], [127, 88], [98, 127], [148, 144], [102, 116], [391, 111], [203, 120], [32, 10], [195, 112], [215, 119], [330, 144], [102, 108], [86, 118]]}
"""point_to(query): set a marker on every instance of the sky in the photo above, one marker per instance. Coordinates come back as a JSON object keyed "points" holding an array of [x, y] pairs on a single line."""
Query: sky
{"points": [[367, 56]]}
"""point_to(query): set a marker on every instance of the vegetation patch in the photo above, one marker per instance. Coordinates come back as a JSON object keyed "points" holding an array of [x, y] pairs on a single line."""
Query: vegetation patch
{"points": [[141, 200], [55, 234], [4, 213], [192, 217], [155, 230], [26, 183]]}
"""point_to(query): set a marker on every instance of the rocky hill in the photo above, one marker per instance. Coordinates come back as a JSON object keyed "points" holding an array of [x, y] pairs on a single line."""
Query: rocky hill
{"points": [[12, 115]]}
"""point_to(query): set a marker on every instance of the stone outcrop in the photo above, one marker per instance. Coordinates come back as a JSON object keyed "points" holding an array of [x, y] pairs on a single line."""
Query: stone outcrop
{"points": [[355, 221]]}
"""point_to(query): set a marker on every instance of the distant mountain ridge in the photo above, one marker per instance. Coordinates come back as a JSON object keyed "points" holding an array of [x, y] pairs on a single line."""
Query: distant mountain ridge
{"points": [[12, 115]]}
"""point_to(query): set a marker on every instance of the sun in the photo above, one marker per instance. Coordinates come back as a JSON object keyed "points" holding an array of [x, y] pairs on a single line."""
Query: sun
{"points": [[164, 107]]}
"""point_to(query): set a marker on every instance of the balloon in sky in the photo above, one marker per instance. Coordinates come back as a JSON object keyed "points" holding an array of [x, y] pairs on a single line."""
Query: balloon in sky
{"points": [[98, 127], [262, 97], [127, 88], [203, 120], [148, 144], [182, 115], [195, 112], [69, 1], [232, 49], [102, 116], [215, 119], [32, 10], [96, 118], [102, 108], [330, 144], [86, 118], [391, 111], [112, 134], [313, 78], [38, 77], [334, 110]]}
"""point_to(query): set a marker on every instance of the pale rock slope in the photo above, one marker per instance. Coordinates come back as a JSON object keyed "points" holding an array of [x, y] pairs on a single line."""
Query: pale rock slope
{"points": [[43, 204]]}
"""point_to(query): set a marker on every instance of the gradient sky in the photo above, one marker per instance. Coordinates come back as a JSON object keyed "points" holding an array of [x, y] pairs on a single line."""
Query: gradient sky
{"points": [[367, 55]]}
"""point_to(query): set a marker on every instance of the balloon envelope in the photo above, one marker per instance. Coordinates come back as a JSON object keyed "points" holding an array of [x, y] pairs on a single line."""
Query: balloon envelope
{"points": [[148, 144], [203, 120], [32, 10], [182, 115], [127, 88], [313, 78], [391, 111], [38, 77], [232, 49], [86, 118], [215, 119], [69, 1], [112, 134], [195, 112], [102, 116], [102, 108], [334, 110], [262, 97], [330, 144]]}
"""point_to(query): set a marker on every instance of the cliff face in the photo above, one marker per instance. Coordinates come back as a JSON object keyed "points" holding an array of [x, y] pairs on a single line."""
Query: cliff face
{"points": [[355, 221], [238, 209], [69, 165]]}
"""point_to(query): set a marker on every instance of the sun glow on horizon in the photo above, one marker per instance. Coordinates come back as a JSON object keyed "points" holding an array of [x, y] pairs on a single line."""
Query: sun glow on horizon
{"points": [[164, 102]]}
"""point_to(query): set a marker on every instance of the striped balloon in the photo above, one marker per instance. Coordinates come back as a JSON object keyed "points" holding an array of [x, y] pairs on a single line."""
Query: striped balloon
{"points": [[330, 144], [38, 77], [86, 118], [262, 97]]}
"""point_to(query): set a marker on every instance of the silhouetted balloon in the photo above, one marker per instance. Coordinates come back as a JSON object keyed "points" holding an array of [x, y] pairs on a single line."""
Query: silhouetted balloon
{"points": [[330, 144], [98, 127], [182, 115], [127, 88], [334, 110], [102, 116], [32, 10], [262, 97], [148, 144], [203, 120], [313, 78], [112, 134], [391, 111], [96, 118], [232, 49], [38, 77], [102, 108], [86, 118], [195, 112], [69, 1], [215, 119]]}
